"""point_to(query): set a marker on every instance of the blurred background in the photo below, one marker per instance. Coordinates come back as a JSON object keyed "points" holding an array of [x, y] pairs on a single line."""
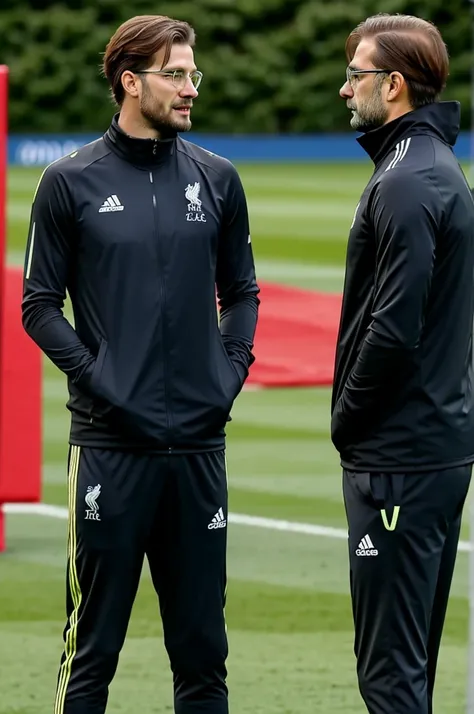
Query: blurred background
{"points": [[269, 102]]}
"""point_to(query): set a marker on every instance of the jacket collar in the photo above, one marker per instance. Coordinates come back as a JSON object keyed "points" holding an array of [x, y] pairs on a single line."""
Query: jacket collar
{"points": [[141, 152], [440, 120]]}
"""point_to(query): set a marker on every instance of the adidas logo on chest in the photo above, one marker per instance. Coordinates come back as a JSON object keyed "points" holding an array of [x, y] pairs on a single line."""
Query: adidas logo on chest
{"points": [[111, 204]]}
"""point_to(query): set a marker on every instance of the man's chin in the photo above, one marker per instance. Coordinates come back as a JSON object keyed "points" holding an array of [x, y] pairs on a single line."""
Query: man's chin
{"points": [[182, 124], [357, 124], [362, 127], [169, 126]]}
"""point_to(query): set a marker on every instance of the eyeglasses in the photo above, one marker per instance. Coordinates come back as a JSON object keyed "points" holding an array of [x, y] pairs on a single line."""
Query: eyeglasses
{"points": [[351, 73], [178, 77]]}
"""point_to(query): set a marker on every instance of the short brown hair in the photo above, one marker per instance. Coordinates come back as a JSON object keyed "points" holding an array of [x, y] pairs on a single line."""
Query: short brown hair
{"points": [[409, 45], [134, 44]]}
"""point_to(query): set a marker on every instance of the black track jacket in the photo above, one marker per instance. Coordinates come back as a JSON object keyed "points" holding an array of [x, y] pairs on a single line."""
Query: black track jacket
{"points": [[403, 386], [141, 233]]}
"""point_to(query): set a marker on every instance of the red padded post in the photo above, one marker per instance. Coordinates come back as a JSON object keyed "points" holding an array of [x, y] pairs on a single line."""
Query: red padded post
{"points": [[3, 202], [20, 369]]}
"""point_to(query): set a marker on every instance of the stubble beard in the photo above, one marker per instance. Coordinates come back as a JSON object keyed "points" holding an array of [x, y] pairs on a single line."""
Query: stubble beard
{"points": [[370, 115], [157, 118]]}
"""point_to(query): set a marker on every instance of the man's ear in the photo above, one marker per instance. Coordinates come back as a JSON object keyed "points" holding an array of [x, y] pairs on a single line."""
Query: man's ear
{"points": [[398, 86], [130, 83]]}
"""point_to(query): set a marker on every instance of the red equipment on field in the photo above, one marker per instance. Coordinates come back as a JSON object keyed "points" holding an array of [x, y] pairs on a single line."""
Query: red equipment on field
{"points": [[20, 369], [295, 342]]}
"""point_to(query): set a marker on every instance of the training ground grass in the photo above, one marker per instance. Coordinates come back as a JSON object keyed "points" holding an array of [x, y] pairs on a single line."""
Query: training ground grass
{"points": [[288, 612]]}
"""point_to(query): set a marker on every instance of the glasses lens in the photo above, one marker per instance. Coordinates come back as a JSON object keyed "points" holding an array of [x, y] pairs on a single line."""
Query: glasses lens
{"points": [[196, 78], [179, 78]]}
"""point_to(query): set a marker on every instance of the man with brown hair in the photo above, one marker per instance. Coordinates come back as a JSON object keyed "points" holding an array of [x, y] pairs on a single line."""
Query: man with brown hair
{"points": [[141, 228], [402, 407]]}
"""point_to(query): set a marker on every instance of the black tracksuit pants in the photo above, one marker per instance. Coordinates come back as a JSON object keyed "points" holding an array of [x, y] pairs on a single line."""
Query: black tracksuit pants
{"points": [[173, 509], [403, 538]]}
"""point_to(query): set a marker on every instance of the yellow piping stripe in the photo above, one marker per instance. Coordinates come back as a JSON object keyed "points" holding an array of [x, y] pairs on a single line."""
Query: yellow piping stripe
{"points": [[227, 484], [71, 156], [32, 241], [71, 635], [40, 179], [30, 253]]}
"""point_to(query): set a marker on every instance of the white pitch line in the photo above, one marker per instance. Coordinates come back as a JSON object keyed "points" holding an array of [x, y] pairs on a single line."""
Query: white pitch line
{"points": [[36, 509], [240, 519]]}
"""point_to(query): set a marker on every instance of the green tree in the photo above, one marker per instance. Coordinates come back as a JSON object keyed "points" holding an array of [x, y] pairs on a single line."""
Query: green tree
{"points": [[271, 66]]}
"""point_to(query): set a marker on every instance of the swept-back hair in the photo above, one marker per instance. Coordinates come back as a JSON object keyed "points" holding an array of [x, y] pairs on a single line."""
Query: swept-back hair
{"points": [[409, 45], [135, 43]]}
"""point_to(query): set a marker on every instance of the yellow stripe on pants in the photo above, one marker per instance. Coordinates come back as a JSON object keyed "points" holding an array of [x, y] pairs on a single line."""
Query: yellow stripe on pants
{"points": [[76, 595]]}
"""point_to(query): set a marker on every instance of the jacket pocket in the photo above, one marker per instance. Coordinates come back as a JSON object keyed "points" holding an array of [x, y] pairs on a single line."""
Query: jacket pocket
{"points": [[98, 366], [232, 385], [100, 406]]}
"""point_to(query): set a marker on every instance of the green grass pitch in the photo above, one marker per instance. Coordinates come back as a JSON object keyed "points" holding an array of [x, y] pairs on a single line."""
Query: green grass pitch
{"points": [[288, 613]]}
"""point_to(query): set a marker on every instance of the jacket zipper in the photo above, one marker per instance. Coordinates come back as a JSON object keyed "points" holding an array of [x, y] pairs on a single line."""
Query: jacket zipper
{"points": [[163, 311]]}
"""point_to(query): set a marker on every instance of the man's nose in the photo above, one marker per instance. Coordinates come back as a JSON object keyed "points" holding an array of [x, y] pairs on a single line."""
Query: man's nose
{"points": [[189, 90], [346, 91]]}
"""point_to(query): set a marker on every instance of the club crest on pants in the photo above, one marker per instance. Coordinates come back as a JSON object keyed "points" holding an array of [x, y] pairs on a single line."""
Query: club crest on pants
{"points": [[92, 512]]}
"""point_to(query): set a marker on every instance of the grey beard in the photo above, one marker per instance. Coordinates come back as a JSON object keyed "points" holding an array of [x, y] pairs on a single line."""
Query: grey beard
{"points": [[373, 114], [365, 124]]}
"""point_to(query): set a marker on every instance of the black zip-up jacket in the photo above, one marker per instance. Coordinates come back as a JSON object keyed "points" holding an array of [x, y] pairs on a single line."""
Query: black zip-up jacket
{"points": [[403, 385], [142, 234]]}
